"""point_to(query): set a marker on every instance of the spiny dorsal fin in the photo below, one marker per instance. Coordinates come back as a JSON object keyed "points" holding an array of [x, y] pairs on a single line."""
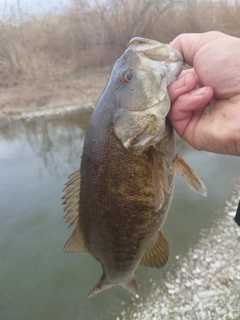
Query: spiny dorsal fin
{"points": [[157, 254], [190, 177], [76, 242], [160, 181], [71, 199]]}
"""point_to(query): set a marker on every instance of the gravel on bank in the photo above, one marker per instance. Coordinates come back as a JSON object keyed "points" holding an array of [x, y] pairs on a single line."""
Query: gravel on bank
{"points": [[207, 283]]}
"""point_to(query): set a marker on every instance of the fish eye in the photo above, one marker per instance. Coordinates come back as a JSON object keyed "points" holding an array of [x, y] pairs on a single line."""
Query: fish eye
{"points": [[126, 76]]}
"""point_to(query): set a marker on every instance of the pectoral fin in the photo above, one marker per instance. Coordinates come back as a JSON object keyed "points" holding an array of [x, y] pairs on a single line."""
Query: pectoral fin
{"points": [[157, 254], [71, 199], [160, 180], [190, 177]]}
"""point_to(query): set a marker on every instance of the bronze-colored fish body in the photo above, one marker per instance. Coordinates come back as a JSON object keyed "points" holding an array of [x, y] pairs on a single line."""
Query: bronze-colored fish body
{"points": [[127, 168], [118, 195]]}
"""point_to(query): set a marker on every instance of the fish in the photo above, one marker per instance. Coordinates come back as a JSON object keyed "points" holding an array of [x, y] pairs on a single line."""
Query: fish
{"points": [[119, 199]]}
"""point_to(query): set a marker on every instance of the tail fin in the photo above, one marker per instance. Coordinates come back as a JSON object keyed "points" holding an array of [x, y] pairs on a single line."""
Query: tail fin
{"points": [[131, 285], [102, 285]]}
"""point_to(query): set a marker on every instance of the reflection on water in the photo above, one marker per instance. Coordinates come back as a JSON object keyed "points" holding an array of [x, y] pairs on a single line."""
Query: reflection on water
{"points": [[57, 143], [38, 280]]}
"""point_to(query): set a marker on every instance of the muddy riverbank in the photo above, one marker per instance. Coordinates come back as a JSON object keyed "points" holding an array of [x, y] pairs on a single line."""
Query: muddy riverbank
{"points": [[49, 98]]}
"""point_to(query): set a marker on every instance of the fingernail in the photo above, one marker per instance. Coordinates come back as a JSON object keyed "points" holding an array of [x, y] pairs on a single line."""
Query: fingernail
{"points": [[198, 92]]}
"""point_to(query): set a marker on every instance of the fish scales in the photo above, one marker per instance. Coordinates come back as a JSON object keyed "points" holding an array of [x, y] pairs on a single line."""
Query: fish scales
{"points": [[127, 168], [117, 210]]}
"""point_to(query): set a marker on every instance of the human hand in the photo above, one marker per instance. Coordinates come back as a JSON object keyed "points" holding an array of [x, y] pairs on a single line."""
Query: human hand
{"points": [[206, 99]]}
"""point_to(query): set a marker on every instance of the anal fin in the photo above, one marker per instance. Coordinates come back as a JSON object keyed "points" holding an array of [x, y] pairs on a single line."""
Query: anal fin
{"points": [[157, 254], [190, 177]]}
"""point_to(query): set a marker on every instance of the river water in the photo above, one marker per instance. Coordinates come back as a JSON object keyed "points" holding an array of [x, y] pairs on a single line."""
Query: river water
{"points": [[37, 279]]}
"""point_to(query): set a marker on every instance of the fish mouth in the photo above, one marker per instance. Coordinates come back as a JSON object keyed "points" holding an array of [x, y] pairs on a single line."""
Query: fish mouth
{"points": [[155, 50]]}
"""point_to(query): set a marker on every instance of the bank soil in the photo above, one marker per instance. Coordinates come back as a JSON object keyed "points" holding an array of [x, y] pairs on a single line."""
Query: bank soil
{"points": [[46, 97]]}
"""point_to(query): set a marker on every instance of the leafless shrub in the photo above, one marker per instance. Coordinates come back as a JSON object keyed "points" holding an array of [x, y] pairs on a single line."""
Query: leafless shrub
{"points": [[94, 33]]}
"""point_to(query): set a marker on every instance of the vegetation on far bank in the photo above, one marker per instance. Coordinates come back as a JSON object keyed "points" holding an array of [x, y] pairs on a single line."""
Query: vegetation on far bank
{"points": [[60, 45]]}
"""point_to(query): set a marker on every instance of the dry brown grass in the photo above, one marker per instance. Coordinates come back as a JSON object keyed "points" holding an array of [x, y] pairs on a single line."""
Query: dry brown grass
{"points": [[53, 48]]}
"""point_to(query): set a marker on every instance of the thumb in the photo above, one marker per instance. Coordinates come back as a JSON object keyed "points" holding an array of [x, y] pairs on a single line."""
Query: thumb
{"points": [[190, 43]]}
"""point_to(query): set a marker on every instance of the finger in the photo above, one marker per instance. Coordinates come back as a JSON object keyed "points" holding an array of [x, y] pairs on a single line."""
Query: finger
{"points": [[185, 83], [186, 106], [187, 71]]}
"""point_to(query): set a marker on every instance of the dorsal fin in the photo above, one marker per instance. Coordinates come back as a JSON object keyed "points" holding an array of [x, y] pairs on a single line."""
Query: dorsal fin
{"points": [[157, 254], [76, 242], [71, 199], [159, 180], [190, 177]]}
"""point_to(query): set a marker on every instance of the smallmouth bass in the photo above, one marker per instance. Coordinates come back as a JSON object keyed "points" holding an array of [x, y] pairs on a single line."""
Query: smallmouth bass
{"points": [[120, 197]]}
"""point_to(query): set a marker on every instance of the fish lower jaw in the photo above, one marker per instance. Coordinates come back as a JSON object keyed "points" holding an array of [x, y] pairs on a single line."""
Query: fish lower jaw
{"points": [[174, 55], [145, 142], [127, 144], [136, 147]]}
